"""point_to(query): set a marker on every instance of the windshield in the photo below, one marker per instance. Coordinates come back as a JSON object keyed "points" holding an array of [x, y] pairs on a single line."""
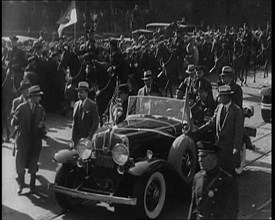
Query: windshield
{"points": [[155, 105]]}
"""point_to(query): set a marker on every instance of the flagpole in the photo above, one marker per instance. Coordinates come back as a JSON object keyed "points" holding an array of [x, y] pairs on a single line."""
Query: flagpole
{"points": [[74, 33]]}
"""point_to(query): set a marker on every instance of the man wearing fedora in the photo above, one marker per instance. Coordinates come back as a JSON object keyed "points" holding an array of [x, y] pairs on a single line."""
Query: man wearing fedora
{"points": [[190, 80], [29, 117], [214, 191], [228, 124], [149, 89], [227, 78], [85, 114]]}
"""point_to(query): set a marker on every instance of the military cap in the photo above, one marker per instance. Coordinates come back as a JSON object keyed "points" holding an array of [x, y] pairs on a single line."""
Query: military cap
{"points": [[207, 147], [123, 88]]}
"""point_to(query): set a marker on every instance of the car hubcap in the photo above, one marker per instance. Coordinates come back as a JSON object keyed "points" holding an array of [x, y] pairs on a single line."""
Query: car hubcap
{"points": [[153, 195]]}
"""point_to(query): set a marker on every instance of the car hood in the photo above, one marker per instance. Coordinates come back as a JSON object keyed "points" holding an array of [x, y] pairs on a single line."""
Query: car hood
{"points": [[137, 130]]}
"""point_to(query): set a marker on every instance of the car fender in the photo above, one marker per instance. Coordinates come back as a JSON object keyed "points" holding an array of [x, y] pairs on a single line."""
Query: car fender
{"points": [[65, 156], [177, 149], [148, 166]]}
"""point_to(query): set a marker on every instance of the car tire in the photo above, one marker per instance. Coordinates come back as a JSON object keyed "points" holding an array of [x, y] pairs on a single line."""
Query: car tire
{"points": [[266, 115], [183, 158], [150, 192], [65, 176], [239, 169]]}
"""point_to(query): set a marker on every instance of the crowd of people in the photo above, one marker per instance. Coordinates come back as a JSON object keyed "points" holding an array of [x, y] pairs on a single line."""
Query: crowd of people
{"points": [[35, 72]]}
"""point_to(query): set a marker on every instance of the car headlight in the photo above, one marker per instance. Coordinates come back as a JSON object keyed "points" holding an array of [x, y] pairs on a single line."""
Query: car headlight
{"points": [[84, 148], [120, 154]]}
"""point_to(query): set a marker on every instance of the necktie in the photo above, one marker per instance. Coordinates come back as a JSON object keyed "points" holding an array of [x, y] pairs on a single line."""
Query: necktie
{"points": [[223, 113]]}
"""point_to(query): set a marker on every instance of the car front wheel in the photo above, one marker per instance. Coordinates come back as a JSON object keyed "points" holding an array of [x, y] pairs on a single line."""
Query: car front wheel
{"points": [[150, 193]]}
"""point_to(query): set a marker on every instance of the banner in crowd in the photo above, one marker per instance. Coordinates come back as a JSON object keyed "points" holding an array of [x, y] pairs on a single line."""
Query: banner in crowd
{"points": [[68, 18]]}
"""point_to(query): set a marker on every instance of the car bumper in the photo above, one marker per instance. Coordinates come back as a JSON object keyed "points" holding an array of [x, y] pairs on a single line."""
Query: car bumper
{"points": [[93, 196]]}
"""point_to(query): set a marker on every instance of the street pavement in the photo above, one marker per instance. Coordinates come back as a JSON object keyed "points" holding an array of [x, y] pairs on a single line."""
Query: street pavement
{"points": [[254, 183]]}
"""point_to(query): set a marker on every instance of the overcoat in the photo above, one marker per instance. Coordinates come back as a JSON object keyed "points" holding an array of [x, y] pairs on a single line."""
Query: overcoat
{"points": [[229, 135], [29, 136]]}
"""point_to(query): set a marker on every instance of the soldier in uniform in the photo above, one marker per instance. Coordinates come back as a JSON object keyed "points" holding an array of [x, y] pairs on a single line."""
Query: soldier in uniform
{"points": [[214, 191]]}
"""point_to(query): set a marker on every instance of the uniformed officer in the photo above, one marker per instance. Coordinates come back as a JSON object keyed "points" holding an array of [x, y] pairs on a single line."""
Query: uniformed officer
{"points": [[214, 191]]}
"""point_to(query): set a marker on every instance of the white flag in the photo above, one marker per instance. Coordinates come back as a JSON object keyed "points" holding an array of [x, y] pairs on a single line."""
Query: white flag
{"points": [[68, 18]]}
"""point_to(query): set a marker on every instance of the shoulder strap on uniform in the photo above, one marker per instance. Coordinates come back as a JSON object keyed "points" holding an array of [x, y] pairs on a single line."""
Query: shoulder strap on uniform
{"points": [[227, 173]]}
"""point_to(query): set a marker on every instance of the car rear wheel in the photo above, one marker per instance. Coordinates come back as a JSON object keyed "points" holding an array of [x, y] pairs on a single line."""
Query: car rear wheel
{"points": [[183, 158], [239, 169], [150, 193], [67, 176]]}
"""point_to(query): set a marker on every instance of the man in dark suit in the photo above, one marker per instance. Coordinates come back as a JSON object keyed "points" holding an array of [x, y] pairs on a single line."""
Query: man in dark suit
{"points": [[85, 115], [149, 89], [29, 117], [214, 191], [228, 124]]}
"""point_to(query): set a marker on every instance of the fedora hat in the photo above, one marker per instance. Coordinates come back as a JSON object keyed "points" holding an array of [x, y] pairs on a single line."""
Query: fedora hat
{"points": [[147, 75], [83, 86], [225, 90], [24, 84], [227, 71], [191, 69], [35, 90]]}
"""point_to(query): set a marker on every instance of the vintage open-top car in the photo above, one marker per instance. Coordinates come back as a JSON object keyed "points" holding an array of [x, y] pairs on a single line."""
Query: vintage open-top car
{"points": [[131, 163]]}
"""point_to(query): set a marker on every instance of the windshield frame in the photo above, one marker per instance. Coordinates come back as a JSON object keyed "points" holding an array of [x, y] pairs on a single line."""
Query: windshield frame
{"points": [[156, 106]]}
